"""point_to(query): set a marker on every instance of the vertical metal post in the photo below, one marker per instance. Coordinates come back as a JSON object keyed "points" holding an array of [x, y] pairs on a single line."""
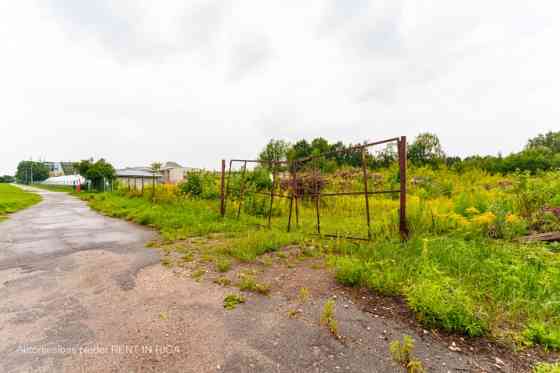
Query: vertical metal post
{"points": [[366, 192], [227, 186], [272, 195], [242, 189], [222, 189], [403, 226], [142, 185], [317, 197], [292, 171]]}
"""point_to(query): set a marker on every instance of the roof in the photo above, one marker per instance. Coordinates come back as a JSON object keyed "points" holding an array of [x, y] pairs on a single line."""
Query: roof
{"points": [[170, 164], [134, 172]]}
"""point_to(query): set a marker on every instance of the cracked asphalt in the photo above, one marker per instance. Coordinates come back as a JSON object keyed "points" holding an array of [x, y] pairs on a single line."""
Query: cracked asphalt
{"points": [[80, 292]]}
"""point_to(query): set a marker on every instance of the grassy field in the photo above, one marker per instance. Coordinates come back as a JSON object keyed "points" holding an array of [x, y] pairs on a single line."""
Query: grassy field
{"points": [[13, 199], [463, 270], [55, 188]]}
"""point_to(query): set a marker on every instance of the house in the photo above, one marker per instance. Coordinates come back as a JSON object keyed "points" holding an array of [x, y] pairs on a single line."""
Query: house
{"points": [[173, 172], [137, 177], [60, 168]]}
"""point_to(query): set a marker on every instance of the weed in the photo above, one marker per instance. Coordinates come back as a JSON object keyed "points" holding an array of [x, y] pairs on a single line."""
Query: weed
{"points": [[187, 257], [402, 354], [232, 300], [223, 281], [198, 274], [248, 283], [293, 313], [166, 261], [328, 317], [163, 316], [223, 264], [303, 296]]}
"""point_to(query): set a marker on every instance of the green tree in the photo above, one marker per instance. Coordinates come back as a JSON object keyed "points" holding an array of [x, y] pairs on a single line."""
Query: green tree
{"points": [[426, 149], [550, 140], [7, 179], [29, 171], [301, 149], [275, 150], [96, 172]]}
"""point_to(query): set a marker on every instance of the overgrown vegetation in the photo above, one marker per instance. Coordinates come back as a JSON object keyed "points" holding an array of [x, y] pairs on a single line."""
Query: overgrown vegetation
{"points": [[464, 269], [13, 199]]}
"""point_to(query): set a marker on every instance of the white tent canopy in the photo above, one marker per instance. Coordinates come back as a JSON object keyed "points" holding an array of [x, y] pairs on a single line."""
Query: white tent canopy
{"points": [[65, 180]]}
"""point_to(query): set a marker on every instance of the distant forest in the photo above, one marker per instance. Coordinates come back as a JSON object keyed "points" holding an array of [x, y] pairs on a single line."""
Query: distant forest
{"points": [[541, 153]]}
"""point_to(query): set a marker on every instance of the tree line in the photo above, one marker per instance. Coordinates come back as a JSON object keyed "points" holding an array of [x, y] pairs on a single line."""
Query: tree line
{"points": [[540, 153]]}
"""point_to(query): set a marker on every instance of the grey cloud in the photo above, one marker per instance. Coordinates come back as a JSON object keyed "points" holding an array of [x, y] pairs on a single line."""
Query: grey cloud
{"points": [[123, 36], [248, 56]]}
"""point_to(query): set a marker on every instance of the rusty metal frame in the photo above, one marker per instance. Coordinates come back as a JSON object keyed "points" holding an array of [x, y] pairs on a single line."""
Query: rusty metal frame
{"points": [[225, 185], [402, 159], [293, 167]]}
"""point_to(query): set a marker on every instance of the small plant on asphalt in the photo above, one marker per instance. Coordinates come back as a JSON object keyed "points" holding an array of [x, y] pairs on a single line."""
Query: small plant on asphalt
{"points": [[197, 274], [402, 354], [223, 281], [303, 296], [223, 264], [328, 318], [249, 283], [232, 300], [167, 262]]}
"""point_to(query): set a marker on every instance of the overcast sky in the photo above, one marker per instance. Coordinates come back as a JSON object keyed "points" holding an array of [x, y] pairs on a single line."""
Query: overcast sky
{"points": [[136, 81]]}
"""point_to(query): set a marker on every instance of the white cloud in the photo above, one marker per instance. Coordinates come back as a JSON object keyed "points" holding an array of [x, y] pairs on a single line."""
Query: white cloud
{"points": [[137, 81]]}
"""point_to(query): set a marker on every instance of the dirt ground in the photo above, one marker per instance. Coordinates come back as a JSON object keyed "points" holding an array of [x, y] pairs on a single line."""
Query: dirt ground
{"points": [[80, 292]]}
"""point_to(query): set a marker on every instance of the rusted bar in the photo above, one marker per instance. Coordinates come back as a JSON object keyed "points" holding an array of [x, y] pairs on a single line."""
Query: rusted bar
{"points": [[242, 190], [222, 190], [317, 197], [258, 161], [344, 237], [271, 197], [403, 226], [227, 187], [364, 169], [359, 193]]}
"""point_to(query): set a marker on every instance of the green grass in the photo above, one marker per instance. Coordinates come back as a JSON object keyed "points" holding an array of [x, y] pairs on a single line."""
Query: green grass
{"points": [[13, 199], [55, 188], [504, 289], [453, 274]]}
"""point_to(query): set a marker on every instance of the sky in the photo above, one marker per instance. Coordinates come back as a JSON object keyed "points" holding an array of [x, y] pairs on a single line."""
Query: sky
{"points": [[138, 81]]}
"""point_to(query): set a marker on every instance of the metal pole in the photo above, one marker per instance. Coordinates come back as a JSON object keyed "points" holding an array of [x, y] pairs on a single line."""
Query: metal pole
{"points": [[272, 196], [364, 169], [222, 191], [317, 202], [227, 186], [242, 189], [403, 226]]}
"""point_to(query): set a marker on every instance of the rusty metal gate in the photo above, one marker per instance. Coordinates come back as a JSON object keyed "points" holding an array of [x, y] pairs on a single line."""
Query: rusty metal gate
{"points": [[295, 195]]}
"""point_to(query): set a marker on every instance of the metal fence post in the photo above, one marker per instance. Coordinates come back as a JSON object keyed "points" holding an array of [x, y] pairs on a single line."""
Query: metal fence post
{"points": [[366, 191], [222, 190], [403, 226]]}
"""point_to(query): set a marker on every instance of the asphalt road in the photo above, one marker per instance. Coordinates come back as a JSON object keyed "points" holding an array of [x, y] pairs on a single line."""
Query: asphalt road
{"points": [[80, 292]]}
